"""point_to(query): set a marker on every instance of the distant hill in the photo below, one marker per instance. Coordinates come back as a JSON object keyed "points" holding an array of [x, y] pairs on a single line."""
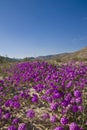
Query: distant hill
{"points": [[4, 59], [80, 55]]}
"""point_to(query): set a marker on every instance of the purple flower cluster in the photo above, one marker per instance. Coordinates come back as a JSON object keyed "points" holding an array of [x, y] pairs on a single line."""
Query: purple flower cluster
{"points": [[61, 90]]}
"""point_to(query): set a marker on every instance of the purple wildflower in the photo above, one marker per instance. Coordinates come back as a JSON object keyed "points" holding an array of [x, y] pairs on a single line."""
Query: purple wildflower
{"points": [[79, 100], [35, 98], [45, 116], [7, 115], [22, 126], [69, 84], [59, 128], [64, 103], [74, 126], [15, 121], [64, 121], [80, 108], [30, 113], [77, 93], [16, 97], [54, 106], [53, 119], [12, 128], [75, 108], [16, 105]]}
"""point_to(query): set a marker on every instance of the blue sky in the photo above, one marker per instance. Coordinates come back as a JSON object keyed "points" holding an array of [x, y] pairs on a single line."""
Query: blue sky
{"points": [[42, 27]]}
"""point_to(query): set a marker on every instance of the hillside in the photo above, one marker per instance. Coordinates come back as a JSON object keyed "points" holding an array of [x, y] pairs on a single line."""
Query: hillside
{"points": [[80, 55], [4, 59]]}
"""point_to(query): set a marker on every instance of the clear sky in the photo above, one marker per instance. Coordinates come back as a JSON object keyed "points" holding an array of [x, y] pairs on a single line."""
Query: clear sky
{"points": [[42, 27]]}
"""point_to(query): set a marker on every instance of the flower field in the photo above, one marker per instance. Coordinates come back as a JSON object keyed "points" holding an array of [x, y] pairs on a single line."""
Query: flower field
{"points": [[42, 96]]}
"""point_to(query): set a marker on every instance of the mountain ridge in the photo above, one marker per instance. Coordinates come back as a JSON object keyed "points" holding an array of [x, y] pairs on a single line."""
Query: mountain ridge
{"points": [[61, 57]]}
